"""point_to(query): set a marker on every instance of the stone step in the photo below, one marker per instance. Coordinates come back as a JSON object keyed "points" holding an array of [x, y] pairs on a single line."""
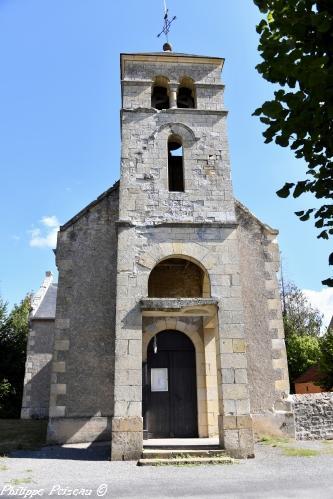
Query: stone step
{"points": [[184, 461], [181, 447], [180, 453]]}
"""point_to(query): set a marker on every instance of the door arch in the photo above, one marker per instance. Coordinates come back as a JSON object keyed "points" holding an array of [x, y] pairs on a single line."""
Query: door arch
{"points": [[169, 387]]}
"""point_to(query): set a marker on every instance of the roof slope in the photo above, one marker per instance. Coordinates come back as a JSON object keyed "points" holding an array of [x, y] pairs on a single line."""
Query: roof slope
{"points": [[85, 210], [47, 307], [115, 187], [311, 374]]}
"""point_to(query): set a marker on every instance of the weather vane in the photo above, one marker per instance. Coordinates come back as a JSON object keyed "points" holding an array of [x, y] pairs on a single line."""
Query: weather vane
{"points": [[167, 23]]}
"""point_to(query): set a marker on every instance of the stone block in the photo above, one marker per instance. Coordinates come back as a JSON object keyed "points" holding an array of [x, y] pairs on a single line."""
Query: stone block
{"points": [[241, 376], [226, 346], [123, 408], [127, 424], [282, 385], [58, 389], [59, 367], [278, 344], [232, 331], [128, 377], [228, 375], [126, 446], [280, 363], [229, 422], [235, 392], [57, 411], [61, 345], [242, 407], [231, 441], [127, 393], [244, 422], [233, 360], [62, 323], [134, 347], [239, 346], [211, 381], [78, 430], [246, 443], [229, 407]]}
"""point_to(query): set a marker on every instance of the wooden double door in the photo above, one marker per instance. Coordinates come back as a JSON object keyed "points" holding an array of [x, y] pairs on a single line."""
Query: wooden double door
{"points": [[169, 387]]}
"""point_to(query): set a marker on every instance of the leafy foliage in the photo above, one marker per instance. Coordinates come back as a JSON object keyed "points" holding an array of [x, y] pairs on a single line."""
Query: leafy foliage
{"points": [[326, 360], [302, 324], [296, 44], [303, 352], [299, 317], [14, 329]]}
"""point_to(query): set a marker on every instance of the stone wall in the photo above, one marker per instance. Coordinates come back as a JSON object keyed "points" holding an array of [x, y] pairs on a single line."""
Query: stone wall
{"points": [[138, 79], [314, 416], [37, 378], [83, 356], [259, 263], [144, 194], [36, 390]]}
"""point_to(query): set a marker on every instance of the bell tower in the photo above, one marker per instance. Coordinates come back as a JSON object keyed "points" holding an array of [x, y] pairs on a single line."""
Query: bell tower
{"points": [[177, 205]]}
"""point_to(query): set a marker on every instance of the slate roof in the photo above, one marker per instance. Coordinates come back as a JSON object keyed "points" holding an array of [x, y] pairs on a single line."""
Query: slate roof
{"points": [[47, 307], [312, 374]]}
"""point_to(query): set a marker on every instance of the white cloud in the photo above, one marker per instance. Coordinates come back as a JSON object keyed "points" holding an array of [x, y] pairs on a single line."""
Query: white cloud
{"points": [[323, 301], [45, 237], [50, 221]]}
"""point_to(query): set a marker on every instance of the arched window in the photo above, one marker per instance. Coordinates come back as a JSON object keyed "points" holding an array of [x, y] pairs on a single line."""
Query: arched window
{"points": [[160, 93], [175, 164], [186, 93]]}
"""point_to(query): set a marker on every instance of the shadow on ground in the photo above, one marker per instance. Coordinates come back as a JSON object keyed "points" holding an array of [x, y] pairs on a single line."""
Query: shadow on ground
{"points": [[98, 451]]}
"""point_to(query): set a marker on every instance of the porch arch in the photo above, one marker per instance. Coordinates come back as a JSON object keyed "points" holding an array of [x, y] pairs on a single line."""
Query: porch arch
{"points": [[171, 323], [164, 251], [178, 277]]}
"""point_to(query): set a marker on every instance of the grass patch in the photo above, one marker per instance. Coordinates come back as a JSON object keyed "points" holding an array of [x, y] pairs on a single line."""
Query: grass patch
{"points": [[273, 441], [28, 470], [18, 481], [297, 452], [3, 467]]}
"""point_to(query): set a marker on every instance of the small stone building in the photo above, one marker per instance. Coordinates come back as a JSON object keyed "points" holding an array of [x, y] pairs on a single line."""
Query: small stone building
{"points": [[308, 381], [166, 321]]}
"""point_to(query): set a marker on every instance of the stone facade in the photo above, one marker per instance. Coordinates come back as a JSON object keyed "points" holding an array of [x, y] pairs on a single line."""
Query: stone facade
{"points": [[108, 307], [314, 416], [83, 356], [37, 379]]}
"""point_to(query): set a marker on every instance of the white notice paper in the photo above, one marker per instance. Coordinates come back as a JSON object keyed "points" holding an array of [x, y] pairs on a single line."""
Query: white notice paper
{"points": [[159, 379]]}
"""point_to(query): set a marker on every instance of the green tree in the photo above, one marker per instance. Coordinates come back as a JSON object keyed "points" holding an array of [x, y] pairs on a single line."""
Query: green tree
{"points": [[296, 45], [302, 353], [299, 317], [326, 360], [14, 329], [302, 325]]}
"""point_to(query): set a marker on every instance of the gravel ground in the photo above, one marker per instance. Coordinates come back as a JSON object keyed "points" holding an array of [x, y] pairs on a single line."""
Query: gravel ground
{"points": [[57, 471]]}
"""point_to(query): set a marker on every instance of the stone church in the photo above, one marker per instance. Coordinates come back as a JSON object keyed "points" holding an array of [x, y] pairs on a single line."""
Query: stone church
{"points": [[166, 320]]}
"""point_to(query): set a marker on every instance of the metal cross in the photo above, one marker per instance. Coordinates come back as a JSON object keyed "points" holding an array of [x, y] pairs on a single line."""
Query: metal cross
{"points": [[167, 23]]}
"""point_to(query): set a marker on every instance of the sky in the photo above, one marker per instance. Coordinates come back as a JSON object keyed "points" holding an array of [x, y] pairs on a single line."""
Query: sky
{"points": [[59, 124]]}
